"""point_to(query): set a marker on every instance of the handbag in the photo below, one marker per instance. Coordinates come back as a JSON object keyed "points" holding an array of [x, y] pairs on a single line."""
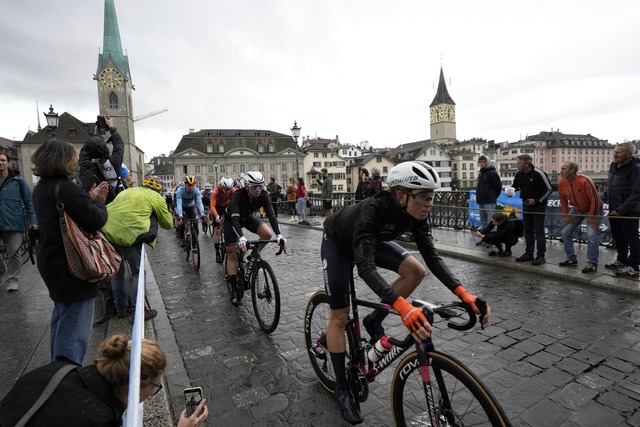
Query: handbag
{"points": [[308, 203], [90, 256]]}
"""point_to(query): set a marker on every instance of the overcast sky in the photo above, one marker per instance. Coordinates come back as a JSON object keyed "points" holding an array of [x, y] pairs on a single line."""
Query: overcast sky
{"points": [[363, 70]]}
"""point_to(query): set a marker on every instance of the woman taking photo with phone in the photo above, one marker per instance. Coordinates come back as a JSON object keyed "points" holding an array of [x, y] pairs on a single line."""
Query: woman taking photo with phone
{"points": [[92, 395]]}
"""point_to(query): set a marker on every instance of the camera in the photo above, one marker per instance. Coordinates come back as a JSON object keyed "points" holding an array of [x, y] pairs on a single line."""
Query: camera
{"points": [[192, 398], [101, 123]]}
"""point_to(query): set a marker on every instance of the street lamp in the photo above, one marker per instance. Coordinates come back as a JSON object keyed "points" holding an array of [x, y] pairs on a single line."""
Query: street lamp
{"points": [[215, 169], [52, 120], [295, 134]]}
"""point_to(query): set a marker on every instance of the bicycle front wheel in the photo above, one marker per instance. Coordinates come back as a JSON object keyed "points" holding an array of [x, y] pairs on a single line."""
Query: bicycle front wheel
{"points": [[459, 398], [265, 297], [195, 251], [316, 321]]}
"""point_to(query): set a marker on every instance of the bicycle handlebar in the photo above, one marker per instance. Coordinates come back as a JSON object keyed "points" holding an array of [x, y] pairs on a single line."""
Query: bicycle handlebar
{"points": [[451, 310], [257, 242]]}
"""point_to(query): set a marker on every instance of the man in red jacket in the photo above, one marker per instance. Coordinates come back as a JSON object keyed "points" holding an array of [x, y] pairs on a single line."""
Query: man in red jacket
{"points": [[579, 199]]}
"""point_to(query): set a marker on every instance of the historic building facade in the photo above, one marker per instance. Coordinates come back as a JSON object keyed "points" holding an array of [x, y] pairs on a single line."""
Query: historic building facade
{"points": [[210, 154]]}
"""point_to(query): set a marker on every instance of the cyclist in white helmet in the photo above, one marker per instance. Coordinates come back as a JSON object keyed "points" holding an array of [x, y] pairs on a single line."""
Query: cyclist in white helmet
{"points": [[244, 203], [363, 234]]}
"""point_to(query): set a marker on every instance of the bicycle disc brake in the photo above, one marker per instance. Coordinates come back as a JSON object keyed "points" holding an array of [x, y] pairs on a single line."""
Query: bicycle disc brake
{"points": [[358, 383]]}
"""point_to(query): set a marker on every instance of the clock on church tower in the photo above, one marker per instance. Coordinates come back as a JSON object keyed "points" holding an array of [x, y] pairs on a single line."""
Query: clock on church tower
{"points": [[111, 78]]}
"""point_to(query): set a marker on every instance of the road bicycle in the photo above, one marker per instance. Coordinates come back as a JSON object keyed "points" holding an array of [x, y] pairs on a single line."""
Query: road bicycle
{"points": [[27, 248], [191, 244], [223, 245], [208, 223], [256, 274], [428, 387]]}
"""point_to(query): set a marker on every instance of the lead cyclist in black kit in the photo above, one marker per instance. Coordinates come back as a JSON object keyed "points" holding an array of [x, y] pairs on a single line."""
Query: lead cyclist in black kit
{"points": [[363, 235], [244, 203]]}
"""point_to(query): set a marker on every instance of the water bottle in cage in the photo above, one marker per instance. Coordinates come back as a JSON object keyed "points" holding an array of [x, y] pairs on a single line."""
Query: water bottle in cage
{"points": [[380, 348]]}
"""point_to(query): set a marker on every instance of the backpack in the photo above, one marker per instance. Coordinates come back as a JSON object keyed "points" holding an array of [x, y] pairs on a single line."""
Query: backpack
{"points": [[519, 227], [92, 172]]}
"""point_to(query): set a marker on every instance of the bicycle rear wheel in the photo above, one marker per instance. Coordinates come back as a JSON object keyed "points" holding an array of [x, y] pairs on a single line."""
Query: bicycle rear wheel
{"points": [[265, 296], [460, 399], [316, 321], [195, 250]]}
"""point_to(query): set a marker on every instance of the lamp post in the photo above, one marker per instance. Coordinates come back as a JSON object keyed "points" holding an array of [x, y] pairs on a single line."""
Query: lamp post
{"points": [[52, 120], [215, 169], [295, 134]]}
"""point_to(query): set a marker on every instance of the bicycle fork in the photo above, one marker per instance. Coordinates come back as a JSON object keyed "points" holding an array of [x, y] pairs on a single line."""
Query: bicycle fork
{"points": [[425, 374]]}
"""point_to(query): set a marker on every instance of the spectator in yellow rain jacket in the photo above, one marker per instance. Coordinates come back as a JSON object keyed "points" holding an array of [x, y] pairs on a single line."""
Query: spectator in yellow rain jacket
{"points": [[133, 220]]}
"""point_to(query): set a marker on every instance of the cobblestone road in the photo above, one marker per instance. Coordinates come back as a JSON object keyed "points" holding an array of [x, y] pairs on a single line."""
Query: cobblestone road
{"points": [[556, 354]]}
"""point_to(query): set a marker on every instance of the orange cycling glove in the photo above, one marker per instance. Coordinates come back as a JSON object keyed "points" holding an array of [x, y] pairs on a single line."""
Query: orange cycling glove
{"points": [[412, 316], [466, 297]]}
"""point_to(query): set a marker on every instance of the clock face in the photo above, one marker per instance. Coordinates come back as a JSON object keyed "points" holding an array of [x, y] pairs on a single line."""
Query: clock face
{"points": [[110, 77], [434, 115], [452, 114]]}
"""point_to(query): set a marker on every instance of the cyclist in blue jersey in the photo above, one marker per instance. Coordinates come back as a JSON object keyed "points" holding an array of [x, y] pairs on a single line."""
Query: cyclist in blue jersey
{"points": [[189, 203]]}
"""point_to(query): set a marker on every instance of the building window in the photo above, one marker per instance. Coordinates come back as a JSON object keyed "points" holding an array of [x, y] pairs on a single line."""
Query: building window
{"points": [[260, 148], [113, 101], [272, 167], [209, 148], [221, 148], [284, 167], [272, 148], [184, 169]]}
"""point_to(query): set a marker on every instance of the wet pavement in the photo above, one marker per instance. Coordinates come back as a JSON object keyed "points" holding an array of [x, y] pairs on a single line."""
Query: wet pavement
{"points": [[562, 350]]}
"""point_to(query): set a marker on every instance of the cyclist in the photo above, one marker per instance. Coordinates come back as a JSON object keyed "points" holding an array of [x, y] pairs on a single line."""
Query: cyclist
{"points": [[363, 234], [188, 200], [244, 203], [220, 198], [206, 203]]}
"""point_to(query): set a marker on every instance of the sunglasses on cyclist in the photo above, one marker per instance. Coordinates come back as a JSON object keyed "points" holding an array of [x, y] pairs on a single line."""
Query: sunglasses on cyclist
{"points": [[256, 187], [424, 196]]}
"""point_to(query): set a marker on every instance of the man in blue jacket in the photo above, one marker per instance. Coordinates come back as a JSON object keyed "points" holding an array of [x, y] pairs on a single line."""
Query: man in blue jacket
{"points": [[623, 195], [487, 190], [15, 198]]}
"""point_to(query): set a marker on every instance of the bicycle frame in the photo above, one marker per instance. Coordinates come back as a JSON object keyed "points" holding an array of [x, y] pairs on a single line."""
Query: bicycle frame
{"points": [[372, 369]]}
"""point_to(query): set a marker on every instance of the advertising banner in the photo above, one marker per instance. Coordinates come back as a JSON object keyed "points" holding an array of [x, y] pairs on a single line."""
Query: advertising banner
{"points": [[553, 220]]}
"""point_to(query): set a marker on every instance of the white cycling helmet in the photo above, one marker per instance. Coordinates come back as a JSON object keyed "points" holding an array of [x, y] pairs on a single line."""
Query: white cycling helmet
{"points": [[253, 178], [226, 183], [207, 186], [414, 176]]}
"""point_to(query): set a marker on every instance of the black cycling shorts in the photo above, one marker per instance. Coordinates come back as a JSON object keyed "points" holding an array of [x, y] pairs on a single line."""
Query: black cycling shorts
{"points": [[252, 223], [337, 263]]}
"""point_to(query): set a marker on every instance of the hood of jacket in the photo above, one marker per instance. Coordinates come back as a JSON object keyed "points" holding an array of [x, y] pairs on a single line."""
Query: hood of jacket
{"points": [[96, 148]]}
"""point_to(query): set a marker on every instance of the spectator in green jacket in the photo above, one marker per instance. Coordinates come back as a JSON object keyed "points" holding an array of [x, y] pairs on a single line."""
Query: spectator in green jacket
{"points": [[326, 184], [133, 220]]}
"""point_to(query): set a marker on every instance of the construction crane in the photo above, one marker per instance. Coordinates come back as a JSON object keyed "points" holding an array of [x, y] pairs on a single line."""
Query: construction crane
{"points": [[151, 114]]}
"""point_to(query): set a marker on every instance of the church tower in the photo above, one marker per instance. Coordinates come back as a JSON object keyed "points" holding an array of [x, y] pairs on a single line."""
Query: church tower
{"points": [[115, 90], [442, 115]]}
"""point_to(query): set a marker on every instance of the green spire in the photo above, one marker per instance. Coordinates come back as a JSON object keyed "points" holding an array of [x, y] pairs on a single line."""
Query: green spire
{"points": [[111, 44]]}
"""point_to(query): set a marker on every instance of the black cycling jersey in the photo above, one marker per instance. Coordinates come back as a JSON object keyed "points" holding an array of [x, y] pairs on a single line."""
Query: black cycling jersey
{"points": [[364, 226], [243, 206]]}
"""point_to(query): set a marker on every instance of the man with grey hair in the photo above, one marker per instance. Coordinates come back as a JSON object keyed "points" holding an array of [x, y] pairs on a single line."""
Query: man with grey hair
{"points": [[623, 195], [535, 189], [579, 192]]}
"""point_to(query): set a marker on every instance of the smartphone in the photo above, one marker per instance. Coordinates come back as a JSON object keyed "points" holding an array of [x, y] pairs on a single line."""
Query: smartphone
{"points": [[192, 398]]}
